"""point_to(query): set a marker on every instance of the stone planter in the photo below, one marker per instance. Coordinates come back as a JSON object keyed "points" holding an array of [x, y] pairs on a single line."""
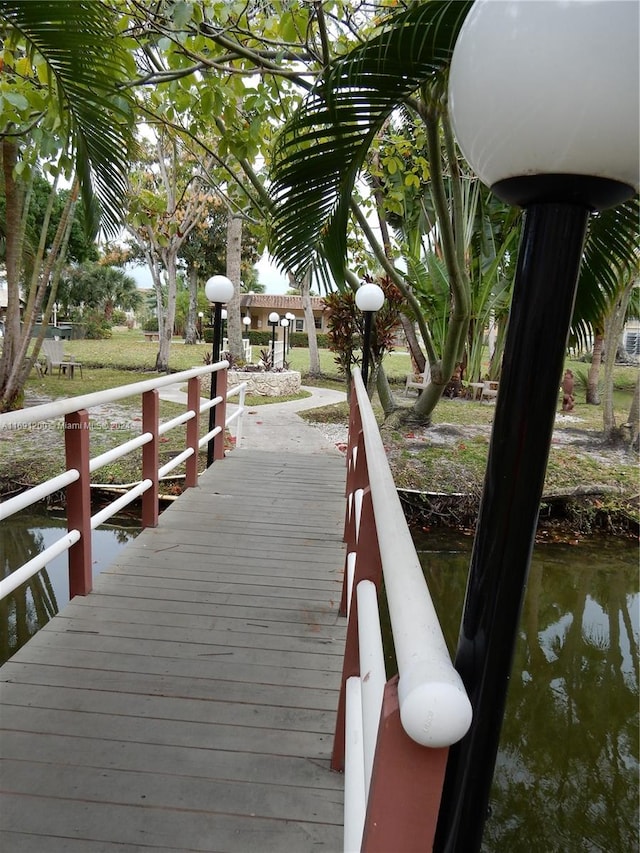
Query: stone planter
{"points": [[267, 384]]}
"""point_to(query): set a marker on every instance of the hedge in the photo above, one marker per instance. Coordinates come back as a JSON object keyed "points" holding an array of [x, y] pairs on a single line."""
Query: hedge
{"points": [[263, 339], [301, 339]]}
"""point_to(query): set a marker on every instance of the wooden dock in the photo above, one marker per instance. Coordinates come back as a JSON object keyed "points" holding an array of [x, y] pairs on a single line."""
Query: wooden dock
{"points": [[188, 703]]}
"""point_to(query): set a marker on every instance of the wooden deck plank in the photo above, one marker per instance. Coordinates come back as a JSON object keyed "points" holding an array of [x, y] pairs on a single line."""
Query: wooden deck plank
{"points": [[189, 633], [189, 702], [155, 758], [177, 619], [170, 685]]}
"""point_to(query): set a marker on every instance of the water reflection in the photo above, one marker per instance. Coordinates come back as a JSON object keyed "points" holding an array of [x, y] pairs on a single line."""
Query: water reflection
{"points": [[567, 771], [36, 601]]}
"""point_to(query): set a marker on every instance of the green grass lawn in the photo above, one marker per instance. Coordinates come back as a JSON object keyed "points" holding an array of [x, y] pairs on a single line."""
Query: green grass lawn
{"points": [[126, 358], [127, 350]]}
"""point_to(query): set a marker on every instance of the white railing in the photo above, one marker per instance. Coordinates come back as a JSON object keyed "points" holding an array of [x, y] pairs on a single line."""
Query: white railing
{"points": [[392, 736], [246, 348], [76, 479]]}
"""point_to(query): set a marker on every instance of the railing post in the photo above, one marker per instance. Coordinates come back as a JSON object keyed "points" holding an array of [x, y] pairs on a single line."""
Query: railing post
{"points": [[76, 441], [368, 567], [406, 786], [220, 415], [193, 432], [150, 422]]}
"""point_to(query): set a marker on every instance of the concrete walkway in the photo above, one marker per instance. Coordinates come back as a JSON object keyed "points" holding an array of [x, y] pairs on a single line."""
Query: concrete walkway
{"points": [[278, 426]]}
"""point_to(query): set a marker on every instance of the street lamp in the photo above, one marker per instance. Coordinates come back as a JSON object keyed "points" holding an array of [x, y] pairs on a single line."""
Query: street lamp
{"points": [[369, 298], [223, 329], [200, 316], [246, 322], [274, 319], [558, 135], [285, 325], [290, 317], [218, 289]]}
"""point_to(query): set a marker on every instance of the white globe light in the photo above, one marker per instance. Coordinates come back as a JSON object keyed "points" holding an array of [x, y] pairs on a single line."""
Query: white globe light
{"points": [[219, 288], [284, 322], [549, 89], [290, 316], [369, 297], [246, 321], [274, 317]]}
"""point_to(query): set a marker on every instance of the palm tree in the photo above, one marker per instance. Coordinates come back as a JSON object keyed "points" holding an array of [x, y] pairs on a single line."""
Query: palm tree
{"points": [[323, 148], [78, 118]]}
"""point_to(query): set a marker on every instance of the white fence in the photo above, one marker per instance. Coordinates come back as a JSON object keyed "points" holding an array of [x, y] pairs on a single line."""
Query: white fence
{"points": [[392, 736]]}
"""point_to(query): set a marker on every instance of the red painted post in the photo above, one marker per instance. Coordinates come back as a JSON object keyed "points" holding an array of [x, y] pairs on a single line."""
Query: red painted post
{"points": [[368, 567], [193, 431], [359, 480], [221, 415], [76, 442], [150, 423], [406, 787]]}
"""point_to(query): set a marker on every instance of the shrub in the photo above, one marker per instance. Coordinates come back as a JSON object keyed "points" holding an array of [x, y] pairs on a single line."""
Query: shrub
{"points": [[301, 339], [150, 324], [96, 326], [259, 339]]}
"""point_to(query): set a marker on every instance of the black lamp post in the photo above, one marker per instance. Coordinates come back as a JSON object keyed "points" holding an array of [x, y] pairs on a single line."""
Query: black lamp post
{"points": [[285, 329], [223, 326], [290, 317], [274, 319], [558, 135], [369, 298], [218, 290]]}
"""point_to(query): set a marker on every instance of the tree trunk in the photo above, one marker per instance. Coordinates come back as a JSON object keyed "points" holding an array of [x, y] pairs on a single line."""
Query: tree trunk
{"points": [[165, 323], [384, 392], [14, 199], [191, 329], [614, 324], [634, 416], [593, 379], [309, 322], [234, 257], [418, 359]]}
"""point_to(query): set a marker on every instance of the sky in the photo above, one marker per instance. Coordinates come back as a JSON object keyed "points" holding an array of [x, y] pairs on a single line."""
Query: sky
{"points": [[268, 274]]}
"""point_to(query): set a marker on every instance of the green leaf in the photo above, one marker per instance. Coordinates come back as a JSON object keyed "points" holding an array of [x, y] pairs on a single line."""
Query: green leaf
{"points": [[85, 63], [320, 152]]}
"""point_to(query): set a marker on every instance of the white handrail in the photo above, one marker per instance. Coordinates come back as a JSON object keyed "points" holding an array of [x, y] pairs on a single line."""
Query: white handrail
{"points": [[59, 408], [120, 503], [37, 493], [118, 452], [434, 707], [28, 570], [49, 411], [372, 671]]}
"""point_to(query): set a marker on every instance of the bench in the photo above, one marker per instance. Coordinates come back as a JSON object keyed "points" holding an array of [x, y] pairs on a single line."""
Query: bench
{"points": [[53, 352], [54, 357], [151, 336], [417, 381], [489, 391]]}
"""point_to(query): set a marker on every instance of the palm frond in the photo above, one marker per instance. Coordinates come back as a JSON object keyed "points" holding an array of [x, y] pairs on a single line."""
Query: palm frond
{"points": [[81, 46], [321, 150], [610, 257]]}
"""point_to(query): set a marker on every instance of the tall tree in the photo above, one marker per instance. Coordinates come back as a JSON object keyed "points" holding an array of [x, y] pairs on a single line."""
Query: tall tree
{"points": [[404, 65], [100, 287], [63, 66], [167, 201]]}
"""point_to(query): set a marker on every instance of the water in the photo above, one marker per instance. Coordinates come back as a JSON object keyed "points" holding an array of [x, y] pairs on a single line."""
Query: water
{"points": [[37, 600], [566, 778]]}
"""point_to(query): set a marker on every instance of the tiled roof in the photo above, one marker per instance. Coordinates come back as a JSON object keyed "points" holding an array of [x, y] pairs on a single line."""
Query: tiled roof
{"points": [[276, 301]]}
